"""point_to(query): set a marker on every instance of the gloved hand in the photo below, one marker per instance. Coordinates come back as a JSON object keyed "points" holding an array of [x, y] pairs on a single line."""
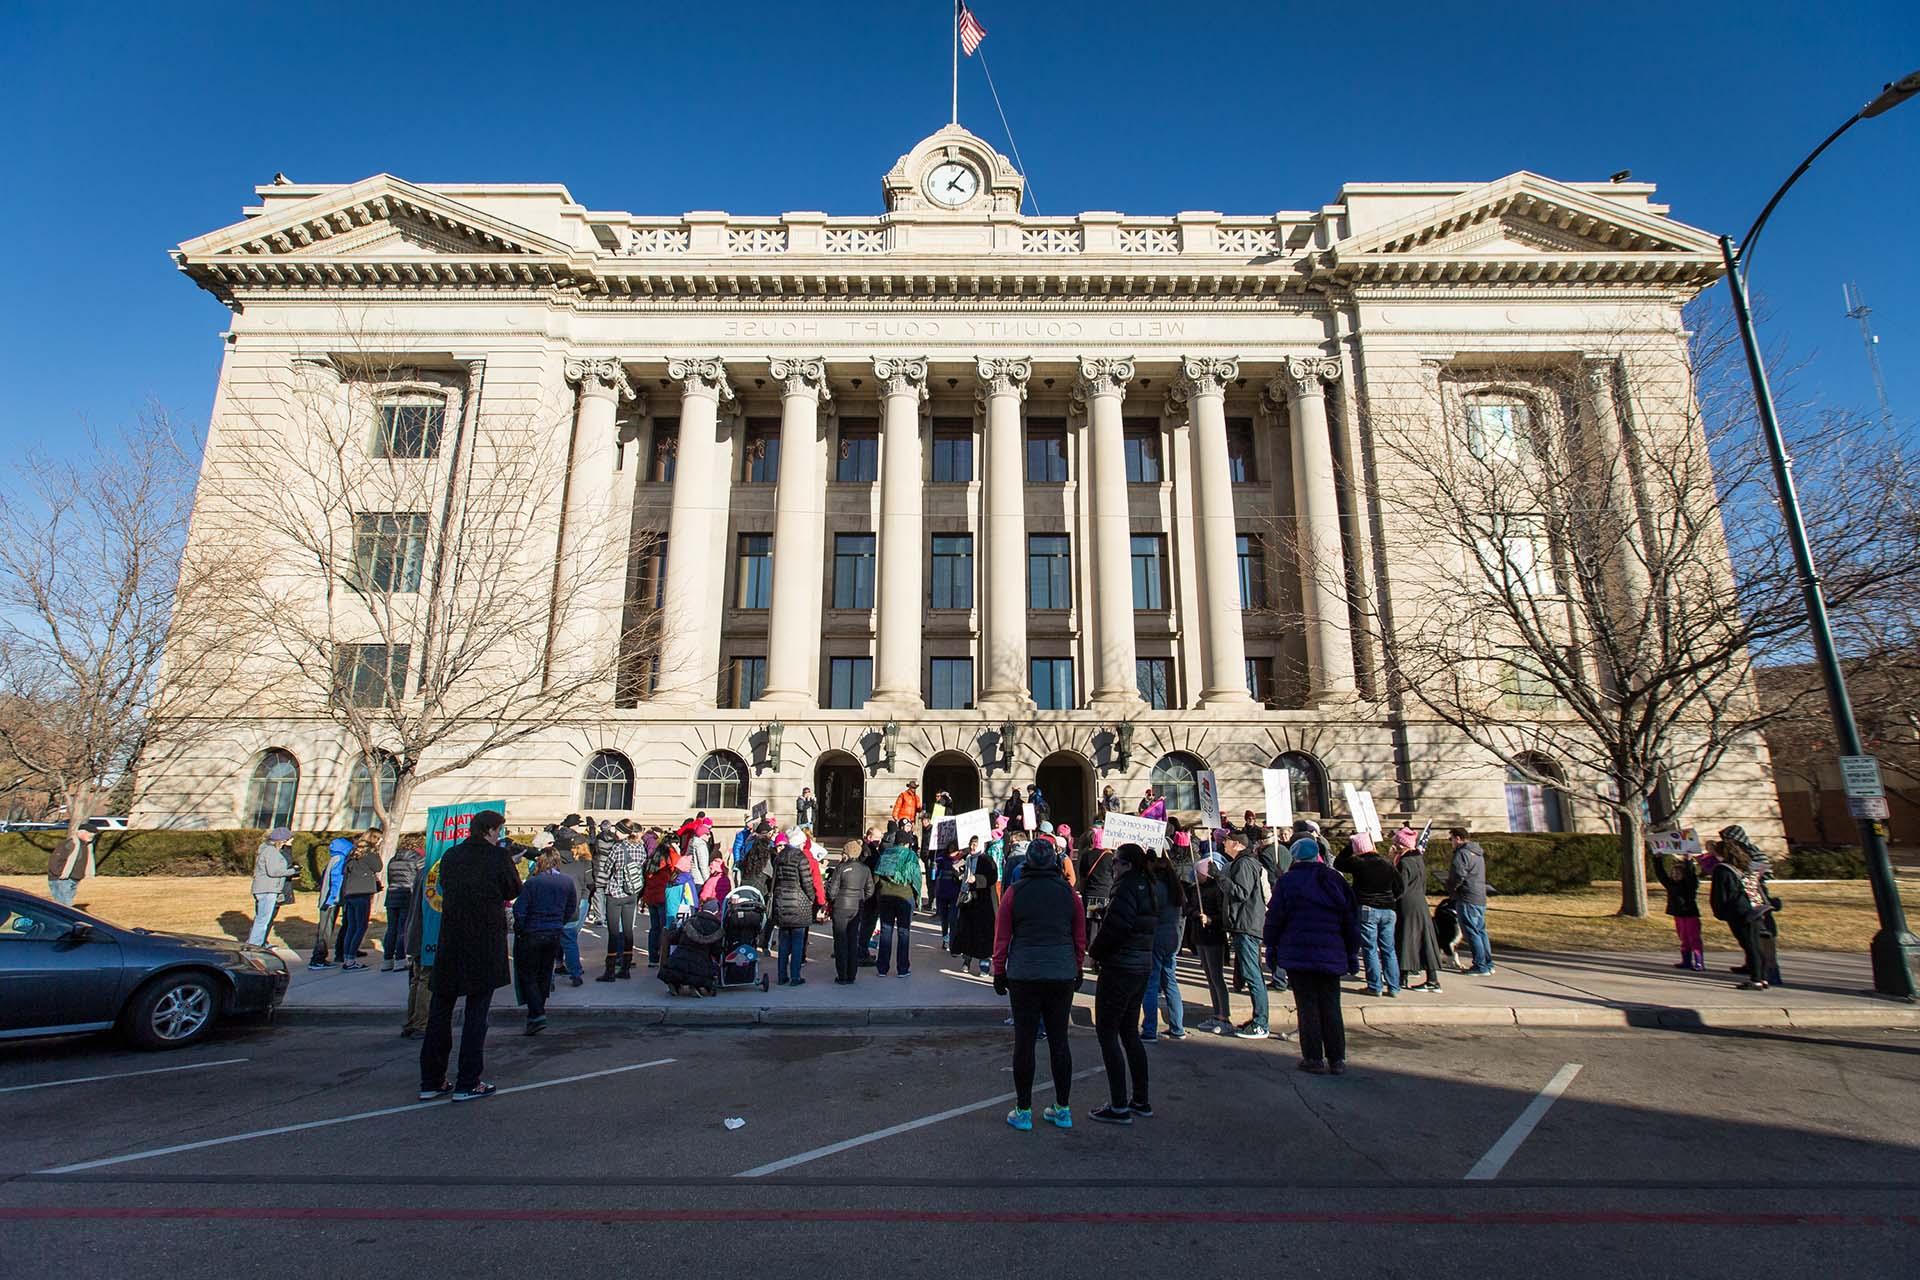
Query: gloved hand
{"points": [[999, 984]]}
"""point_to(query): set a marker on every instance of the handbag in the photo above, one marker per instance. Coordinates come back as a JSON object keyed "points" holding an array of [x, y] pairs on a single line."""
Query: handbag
{"points": [[286, 894]]}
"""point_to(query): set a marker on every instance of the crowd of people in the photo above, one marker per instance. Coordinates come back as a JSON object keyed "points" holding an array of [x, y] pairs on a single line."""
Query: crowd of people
{"points": [[1036, 907]]}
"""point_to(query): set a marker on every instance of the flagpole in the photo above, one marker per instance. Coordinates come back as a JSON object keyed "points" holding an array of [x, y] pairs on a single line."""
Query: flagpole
{"points": [[956, 62]]}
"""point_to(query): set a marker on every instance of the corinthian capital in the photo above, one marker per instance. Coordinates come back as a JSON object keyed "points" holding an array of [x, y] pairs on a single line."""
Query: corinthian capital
{"points": [[1103, 376], [1304, 376], [698, 377], [603, 377], [1203, 376], [901, 377], [801, 376], [1002, 377]]}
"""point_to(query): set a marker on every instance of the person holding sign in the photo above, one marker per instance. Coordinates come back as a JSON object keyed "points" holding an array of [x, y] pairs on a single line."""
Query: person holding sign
{"points": [[477, 879], [1679, 874]]}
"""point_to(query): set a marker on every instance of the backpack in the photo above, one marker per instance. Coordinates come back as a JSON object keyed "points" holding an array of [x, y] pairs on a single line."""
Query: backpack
{"points": [[630, 877]]}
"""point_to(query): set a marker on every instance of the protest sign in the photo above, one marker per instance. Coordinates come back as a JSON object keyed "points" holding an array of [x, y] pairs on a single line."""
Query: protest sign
{"points": [[974, 822], [1684, 843], [447, 826], [1279, 787], [1120, 828], [1029, 816], [1209, 788]]}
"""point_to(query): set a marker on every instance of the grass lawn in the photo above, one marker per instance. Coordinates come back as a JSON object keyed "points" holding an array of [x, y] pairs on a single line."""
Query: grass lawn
{"points": [[1816, 917]]}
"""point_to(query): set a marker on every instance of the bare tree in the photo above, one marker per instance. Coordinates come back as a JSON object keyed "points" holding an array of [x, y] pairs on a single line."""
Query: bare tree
{"points": [[95, 588], [1598, 565], [440, 591]]}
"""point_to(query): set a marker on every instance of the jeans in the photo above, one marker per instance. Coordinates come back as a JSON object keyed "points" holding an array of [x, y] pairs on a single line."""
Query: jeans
{"points": [[846, 947], [656, 926], [326, 935], [1116, 1021], [399, 907], [1316, 997], [62, 891], [1162, 981], [1246, 954], [419, 997], [570, 939], [438, 1044], [533, 956], [1473, 923], [896, 921], [791, 943], [1035, 1003], [1213, 961], [265, 907], [355, 911], [619, 917], [1379, 947], [947, 912]]}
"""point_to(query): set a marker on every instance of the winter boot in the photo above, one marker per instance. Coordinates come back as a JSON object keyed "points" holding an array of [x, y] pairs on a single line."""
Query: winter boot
{"points": [[626, 964], [612, 961]]}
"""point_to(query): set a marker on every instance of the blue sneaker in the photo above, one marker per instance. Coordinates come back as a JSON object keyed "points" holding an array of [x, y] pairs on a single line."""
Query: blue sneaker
{"points": [[1059, 1117], [1021, 1118]]}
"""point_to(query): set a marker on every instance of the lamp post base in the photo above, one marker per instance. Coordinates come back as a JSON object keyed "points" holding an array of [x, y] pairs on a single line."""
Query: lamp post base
{"points": [[1896, 964]]}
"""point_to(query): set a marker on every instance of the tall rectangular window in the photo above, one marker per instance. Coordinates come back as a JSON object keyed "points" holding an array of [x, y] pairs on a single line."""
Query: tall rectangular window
{"points": [[371, 675], [1497, 432], [859, 460], [753, 577], [1517, 556], [1046, 453], [1154, 678], [409, 430], [853, 571], [1051, 681], [952, 451], [1049, 571], [746, 679], [1141, 442], [663, 450], [650, 574], [952, 685], [389, 548], [849, 682], [1260, 679], [1252, 552], [953, 571], [760, 452], [1149, 571], [1242, 467]]}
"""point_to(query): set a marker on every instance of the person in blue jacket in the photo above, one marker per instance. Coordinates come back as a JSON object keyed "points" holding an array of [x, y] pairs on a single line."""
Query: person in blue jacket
{"points": [[1313, 929], [329, 878]]}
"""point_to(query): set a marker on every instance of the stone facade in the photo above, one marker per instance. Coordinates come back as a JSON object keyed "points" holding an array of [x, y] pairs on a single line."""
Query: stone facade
{"points": [[950, 395]]}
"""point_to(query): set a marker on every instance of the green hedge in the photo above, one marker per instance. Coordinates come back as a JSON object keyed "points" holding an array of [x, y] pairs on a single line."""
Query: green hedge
{"points": [[1823, 862], [1533, 863], [162, 853]]}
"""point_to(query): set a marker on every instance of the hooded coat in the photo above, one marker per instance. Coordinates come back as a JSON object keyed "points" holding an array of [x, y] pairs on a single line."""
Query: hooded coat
{"points": [[477, 880], [1419, 946], [1313, 923]]}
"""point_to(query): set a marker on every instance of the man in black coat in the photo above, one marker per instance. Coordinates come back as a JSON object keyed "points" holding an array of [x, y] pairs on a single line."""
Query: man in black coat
{"points": [[477, 879]]}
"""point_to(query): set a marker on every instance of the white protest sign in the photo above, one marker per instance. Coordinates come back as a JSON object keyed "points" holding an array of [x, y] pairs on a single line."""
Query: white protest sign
{"points": [[940, 834], [1120, 828], [1682, 843], [1279, 785], [1209, 789], [974, 822], [1360, 804], [1030, 817]]}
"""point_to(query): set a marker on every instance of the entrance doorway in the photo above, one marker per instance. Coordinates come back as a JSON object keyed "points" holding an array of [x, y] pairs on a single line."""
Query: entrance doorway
{"points": [[840, 787], [955, 774], [1067, 781]]}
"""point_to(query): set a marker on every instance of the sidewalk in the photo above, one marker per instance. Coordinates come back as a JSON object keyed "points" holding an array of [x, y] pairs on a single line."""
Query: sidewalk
{"points": [[1528, 989]]}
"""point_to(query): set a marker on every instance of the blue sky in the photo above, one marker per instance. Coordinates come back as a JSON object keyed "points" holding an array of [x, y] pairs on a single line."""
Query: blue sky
{"points": [[133, 127]]}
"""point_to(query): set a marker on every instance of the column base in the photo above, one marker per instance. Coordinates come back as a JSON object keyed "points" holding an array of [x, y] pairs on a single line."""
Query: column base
{"points": [[1237, 699], [1005, 704], [896, 701], [1117, 703], [788, 700], [1333, 696]]}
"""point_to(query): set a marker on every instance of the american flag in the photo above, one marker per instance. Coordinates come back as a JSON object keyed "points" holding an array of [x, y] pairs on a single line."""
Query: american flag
{"points": [[971, 32]]}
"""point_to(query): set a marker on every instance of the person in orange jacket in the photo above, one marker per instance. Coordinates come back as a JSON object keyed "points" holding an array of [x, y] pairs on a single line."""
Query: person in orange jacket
{"points": [[906, 808]]}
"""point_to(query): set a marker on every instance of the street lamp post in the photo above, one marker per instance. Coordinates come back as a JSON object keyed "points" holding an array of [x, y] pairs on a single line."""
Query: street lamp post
{"points": [[1895, 951]]}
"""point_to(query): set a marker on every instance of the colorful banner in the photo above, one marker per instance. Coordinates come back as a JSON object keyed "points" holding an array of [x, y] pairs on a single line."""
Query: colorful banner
{"points": [[1209, 788], [446, 827]]}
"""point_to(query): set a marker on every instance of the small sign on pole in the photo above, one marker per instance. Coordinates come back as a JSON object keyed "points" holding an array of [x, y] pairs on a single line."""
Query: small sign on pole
{"points": [[1861, 776], [1279, 788], [1209, 788], [1871, 808]]}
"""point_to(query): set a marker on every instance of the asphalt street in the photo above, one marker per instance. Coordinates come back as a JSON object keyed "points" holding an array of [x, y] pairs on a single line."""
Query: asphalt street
{"points": [[296, 1151]]}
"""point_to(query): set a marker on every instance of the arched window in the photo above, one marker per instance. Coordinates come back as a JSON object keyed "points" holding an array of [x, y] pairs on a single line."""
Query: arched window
{"points": [[720, 782], [361, 814], [1306, 779], [1536, 806], [609, 782], [270, 795], [1173, 780]]}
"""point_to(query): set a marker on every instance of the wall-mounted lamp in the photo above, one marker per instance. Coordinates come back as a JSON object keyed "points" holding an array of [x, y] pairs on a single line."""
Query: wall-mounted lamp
{"points": [[1123, 743], [890, 743], [1009, 743], [774, 731]]}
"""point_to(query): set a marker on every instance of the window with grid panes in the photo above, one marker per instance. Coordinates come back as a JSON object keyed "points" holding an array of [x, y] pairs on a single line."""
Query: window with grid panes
{"points": [[859, 460], [1051, 683], [1252, 554], [849, 682], [760, 452], [952, 571], [853, 571], [952, 684], [753, 578], [746, 680], [371, 675], [1149, 571], [1049, 571], [1046, 451], [663, 450], [1154, 679], [388, 549], [409, 429], [1140, 442], [1242, 466], [952, 451]]}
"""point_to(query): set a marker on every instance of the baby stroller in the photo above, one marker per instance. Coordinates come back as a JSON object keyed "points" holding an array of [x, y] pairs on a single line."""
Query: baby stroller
{"points": [[742, 917], [692, 966]]}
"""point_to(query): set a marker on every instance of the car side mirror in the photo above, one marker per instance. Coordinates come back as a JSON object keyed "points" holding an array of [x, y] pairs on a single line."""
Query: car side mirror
{"points": [[80, 931]]}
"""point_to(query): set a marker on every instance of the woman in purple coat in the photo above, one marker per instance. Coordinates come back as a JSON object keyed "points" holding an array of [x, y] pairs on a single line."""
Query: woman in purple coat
{"points": [[1313, 928]]}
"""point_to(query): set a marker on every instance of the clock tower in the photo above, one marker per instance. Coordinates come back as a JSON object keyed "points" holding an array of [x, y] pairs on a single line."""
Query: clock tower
{"points": [[953, 171]]}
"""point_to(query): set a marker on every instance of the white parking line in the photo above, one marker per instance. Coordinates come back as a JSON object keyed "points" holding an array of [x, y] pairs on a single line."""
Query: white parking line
{"points": [[322, 1124], [805, 1157], [122, 1075], [1502, 1151]]}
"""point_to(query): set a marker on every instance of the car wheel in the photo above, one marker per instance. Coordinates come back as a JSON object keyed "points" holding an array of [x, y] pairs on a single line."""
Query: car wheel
{"points": [[173, 1011]]}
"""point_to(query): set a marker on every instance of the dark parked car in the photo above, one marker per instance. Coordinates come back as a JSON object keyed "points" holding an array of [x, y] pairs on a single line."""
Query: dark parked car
{"points": [[63, 971]]}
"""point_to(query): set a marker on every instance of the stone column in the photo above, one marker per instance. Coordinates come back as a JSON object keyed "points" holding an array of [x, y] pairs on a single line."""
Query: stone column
{"points": [[690, 644], [1102, 386], [590, 579], [1202, 386], [900, 606], [1316, 506], [799, 530], [1609, 483], [1003, 681]]}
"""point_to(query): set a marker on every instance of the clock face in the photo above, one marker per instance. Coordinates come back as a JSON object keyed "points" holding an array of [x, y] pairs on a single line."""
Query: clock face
{"points": [[951, 184]]}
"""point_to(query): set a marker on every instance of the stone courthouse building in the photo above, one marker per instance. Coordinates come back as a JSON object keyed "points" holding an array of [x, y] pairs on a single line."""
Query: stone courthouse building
{"points": [[950, 493]]}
